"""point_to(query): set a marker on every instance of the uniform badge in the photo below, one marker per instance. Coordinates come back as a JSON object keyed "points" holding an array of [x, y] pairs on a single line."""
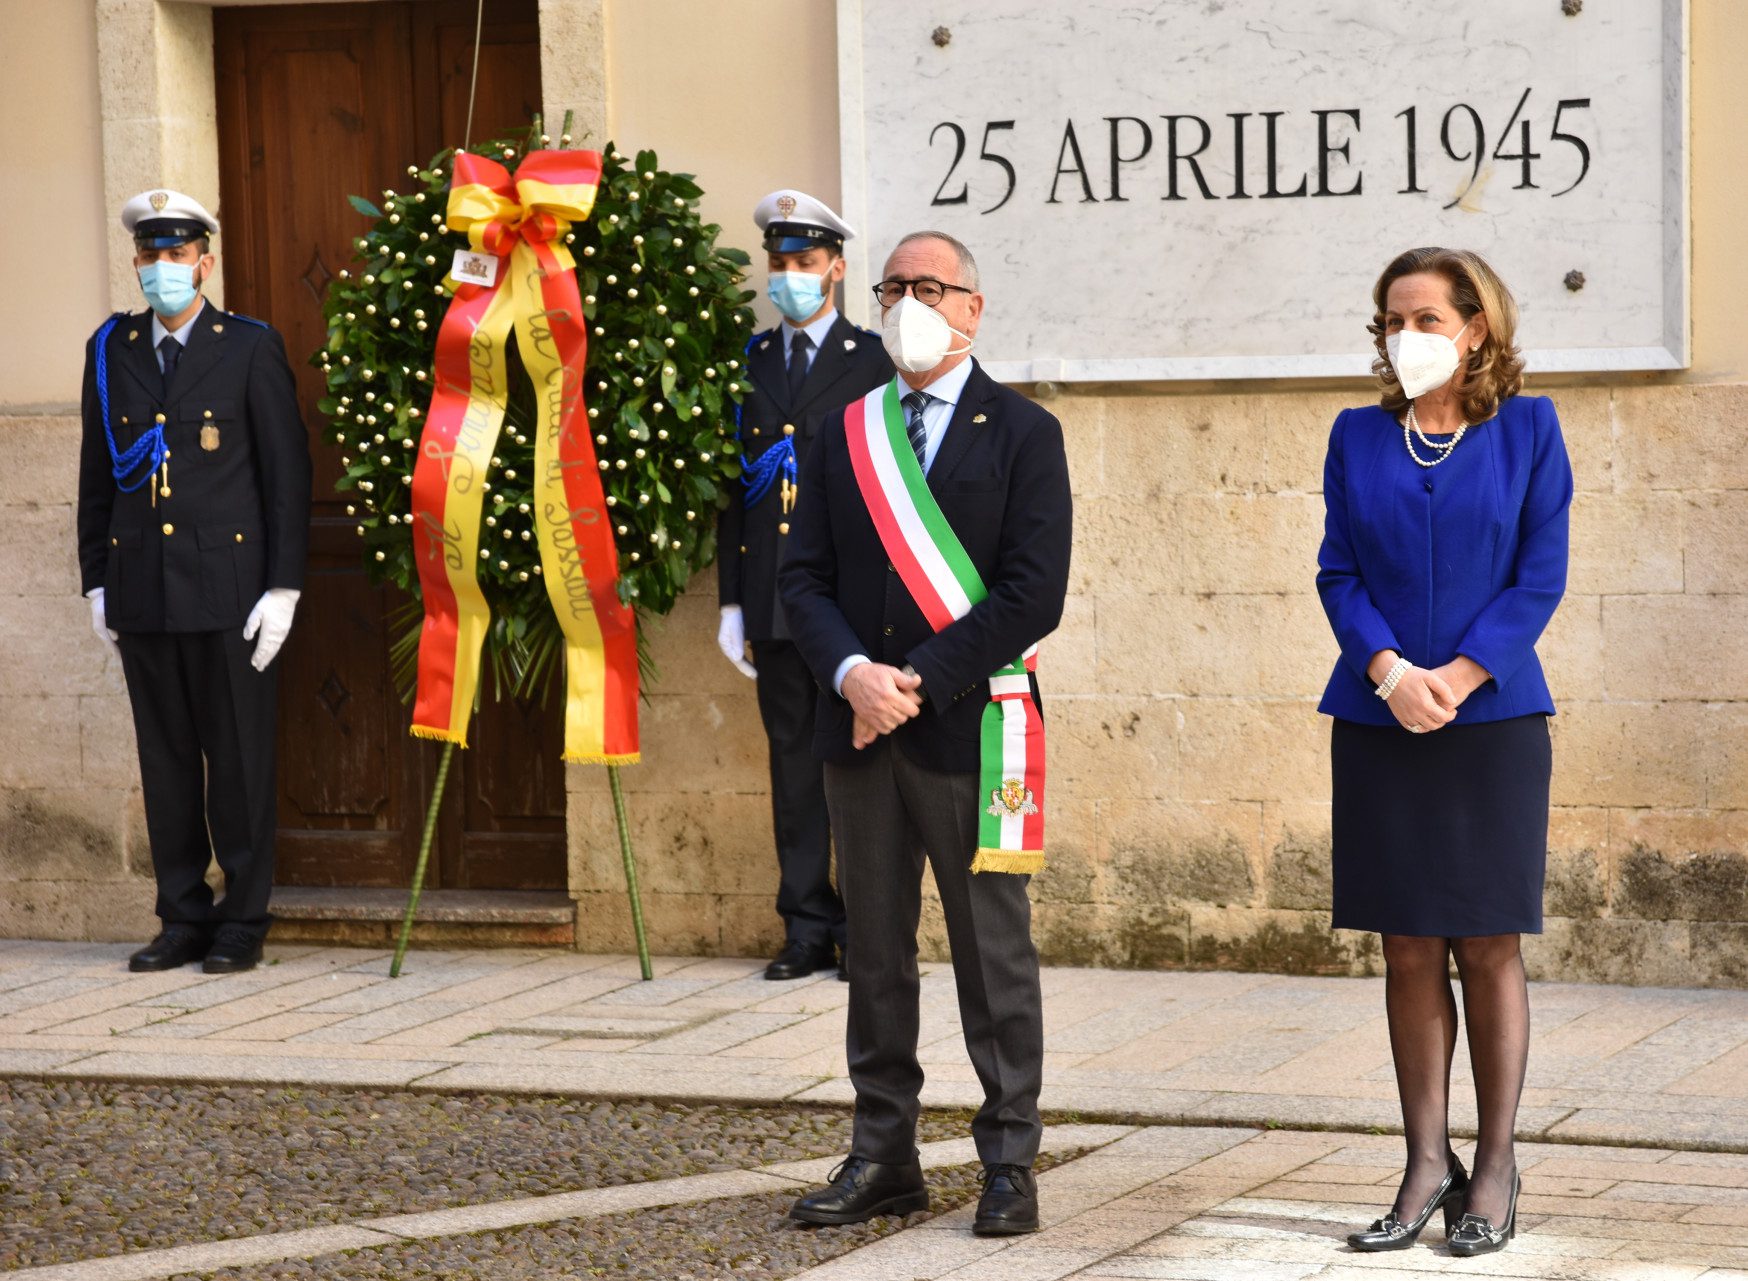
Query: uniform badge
{"points": [[849, 344], [785, 205], [158, 199], [764, 344], [1013, 799], [981, 418], [132, 334], [209, 438]]}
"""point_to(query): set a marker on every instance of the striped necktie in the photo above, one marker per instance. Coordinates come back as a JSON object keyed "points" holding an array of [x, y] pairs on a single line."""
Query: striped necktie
{"points": [[914, 404]]}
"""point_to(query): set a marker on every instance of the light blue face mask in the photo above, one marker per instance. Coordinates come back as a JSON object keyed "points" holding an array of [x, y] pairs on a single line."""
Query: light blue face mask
{"points": [[797, 294], [169, 287]]}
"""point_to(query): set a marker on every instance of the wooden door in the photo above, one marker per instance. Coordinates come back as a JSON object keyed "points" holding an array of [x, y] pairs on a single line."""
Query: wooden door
{"points": [[316, 102]]}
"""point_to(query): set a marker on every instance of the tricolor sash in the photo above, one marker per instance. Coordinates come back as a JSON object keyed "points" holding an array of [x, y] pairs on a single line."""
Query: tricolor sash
{"points": [[935, 569], [522, 223]]}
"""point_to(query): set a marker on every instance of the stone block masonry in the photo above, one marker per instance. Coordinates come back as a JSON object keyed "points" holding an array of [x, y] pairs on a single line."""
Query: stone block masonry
{"points": [[1189, 768]]}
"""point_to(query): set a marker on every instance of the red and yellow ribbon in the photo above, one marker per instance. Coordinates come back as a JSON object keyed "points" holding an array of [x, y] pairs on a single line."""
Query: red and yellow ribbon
{"points": [[522, 223]]}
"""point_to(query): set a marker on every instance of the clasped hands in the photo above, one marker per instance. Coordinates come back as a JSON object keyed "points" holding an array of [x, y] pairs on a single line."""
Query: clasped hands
{"points": [[1427, 699], [882, 697]]}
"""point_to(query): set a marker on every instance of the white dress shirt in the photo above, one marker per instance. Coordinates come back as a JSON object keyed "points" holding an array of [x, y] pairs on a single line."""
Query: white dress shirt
{"points": [[816, 332], [159, 333], [937, 415]]}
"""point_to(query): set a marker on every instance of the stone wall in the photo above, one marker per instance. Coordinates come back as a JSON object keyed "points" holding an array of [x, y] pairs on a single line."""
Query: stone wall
{"points": [[74, 862], [1189, 775]]}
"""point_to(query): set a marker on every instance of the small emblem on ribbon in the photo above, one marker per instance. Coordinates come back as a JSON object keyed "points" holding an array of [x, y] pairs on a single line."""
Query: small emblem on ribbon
{"points": [[1013, 799]]}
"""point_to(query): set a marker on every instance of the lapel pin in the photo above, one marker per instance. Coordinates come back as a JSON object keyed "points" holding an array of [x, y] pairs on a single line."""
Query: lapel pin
{"points": [[218, 328], [764, 344], [849, 344], [981, 418], [132, 334]]}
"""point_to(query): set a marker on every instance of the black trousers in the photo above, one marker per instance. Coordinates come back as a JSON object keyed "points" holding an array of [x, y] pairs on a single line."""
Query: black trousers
{"points": [[205, 722], [811, 910], [887, 812]]}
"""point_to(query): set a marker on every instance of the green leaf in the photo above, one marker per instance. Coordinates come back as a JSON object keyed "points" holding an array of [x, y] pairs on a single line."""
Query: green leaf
{"points": [[364, 207]]}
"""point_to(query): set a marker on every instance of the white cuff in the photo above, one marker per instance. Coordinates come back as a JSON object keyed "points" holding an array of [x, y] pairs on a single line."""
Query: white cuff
{"points": [[844, 670]]}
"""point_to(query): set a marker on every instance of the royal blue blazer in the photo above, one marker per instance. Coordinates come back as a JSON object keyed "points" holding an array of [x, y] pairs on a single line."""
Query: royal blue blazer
{"points": [[1468, 557]]}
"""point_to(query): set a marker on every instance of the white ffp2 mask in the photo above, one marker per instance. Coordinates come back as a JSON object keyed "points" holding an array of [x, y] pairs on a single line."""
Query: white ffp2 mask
{"points": [[918, 337], [1422, 362]]}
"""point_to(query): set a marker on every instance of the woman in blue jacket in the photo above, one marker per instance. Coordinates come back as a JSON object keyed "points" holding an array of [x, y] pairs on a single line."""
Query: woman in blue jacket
{"points": [[1443, 558]]}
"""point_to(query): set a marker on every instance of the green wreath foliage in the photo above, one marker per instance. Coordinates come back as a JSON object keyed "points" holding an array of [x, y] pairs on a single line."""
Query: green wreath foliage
{"points": [[665, 374]]}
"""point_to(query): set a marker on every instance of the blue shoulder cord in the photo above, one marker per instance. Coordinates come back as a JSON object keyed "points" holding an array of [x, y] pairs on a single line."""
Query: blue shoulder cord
{"points": [[758, 475], [148, 449]]}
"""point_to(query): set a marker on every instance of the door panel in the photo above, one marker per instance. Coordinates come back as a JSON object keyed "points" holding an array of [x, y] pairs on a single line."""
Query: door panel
{"points": [[317, 102]]}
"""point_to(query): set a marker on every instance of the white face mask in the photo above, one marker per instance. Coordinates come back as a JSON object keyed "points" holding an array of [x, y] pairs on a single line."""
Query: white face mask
{"points": [[1423, 362], [918, 337]]}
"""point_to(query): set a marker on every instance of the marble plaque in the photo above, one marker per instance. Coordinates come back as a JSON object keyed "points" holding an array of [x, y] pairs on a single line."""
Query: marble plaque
{"points": [[1206, 189]]}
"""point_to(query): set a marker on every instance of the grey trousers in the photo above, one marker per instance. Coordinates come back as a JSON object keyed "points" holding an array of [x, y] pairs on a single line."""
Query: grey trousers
{"points": [[885, 813]]}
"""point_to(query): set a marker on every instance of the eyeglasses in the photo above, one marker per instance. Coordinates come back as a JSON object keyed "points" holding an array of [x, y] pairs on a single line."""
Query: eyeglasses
{"points": [[927, 291]]}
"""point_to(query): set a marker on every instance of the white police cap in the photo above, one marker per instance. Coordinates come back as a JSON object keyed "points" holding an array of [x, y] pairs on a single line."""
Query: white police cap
{"points": [[794, 221], [161, 218]]}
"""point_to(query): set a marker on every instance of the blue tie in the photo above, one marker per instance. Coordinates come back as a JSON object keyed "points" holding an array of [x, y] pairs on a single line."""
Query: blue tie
{"points": [[914, 404], [171, 351]]}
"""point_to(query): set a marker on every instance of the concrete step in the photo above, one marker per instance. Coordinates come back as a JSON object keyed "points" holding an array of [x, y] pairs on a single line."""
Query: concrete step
{"points": [[458, 918]]}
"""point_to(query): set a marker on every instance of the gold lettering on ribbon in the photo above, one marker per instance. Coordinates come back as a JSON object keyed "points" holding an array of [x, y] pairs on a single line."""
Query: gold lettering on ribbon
{"points": [[461, 480], [448, 536], [573, 571]]}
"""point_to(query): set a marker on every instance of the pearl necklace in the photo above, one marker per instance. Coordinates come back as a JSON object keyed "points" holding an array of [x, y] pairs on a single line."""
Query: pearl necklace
{"points": [[1412, 424]]}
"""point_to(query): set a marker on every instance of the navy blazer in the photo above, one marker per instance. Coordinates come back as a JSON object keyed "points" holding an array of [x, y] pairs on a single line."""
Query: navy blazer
{"points": [[1468, 557], [1001, 478]]}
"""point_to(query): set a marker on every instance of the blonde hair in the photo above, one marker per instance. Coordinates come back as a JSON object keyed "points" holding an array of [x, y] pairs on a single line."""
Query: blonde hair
{"points": [[1494, 370]]}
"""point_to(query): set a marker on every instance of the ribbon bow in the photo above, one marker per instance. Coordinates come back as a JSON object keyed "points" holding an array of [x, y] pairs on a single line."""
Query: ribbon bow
{"points": [[522, 222]]}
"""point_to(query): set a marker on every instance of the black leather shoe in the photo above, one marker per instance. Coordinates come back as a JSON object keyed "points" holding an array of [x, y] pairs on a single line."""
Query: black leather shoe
{"points": [[1393, 1233], [861, 1189], [235, 948], [1475, 1233], [1009, 1204], [175, 946], [798, 960]]}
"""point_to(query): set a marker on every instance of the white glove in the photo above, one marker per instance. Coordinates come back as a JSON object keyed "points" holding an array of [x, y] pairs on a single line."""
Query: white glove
{"points": [[100, 622], [272, 618], [731, 639]]}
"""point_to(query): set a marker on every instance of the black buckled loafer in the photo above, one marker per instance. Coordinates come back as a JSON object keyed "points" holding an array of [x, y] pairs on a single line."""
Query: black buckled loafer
{"points": [[860, 1190], [1009, 1204], [175, 946], [798, 960], [1393, 1232], [235, 948]]}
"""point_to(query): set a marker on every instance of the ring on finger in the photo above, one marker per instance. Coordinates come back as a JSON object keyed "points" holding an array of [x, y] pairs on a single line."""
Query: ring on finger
{"points": [[1417, 729]]}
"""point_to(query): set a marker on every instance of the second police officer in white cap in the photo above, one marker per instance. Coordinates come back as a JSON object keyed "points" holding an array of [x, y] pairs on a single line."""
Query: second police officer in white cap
{"points": [[811, 364], [194, 496]]}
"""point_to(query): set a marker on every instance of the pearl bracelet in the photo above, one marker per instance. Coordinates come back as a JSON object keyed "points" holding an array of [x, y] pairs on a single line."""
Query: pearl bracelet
{"points": [[1393, 678]]}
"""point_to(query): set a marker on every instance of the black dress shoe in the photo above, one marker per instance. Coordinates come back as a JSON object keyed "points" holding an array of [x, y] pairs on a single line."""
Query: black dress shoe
{"points": [[1475, 1233], [861, 1189], [798, 960], [235, 948], [175, 946], [1392, 1232], [1009, 1204]]}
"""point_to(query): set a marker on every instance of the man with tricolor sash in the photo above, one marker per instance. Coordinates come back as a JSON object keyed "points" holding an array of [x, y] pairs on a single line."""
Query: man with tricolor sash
{"points": [[929, 560]]}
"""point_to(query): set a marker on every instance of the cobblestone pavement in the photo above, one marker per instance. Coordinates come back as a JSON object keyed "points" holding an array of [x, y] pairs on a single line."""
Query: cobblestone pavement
{"points": [[97, 1169], [1608, 1064], [494, 1064]]}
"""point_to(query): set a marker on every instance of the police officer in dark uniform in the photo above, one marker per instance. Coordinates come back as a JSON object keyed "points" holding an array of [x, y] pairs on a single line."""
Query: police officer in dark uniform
{"points": [[194, 494], [811, 364]]}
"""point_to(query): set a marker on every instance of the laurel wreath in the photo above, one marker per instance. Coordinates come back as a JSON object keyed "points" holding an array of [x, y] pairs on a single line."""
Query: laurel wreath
{"points": [[668, 327]]}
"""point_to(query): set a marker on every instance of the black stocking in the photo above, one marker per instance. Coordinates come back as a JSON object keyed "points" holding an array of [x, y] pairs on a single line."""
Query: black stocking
{"points": [[1423, 1035], [1496, 1010]]}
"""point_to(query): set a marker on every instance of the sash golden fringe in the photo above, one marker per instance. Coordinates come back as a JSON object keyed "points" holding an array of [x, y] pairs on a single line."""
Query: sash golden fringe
{"points": [[604, 758], [458, 737], [1019, 862]]}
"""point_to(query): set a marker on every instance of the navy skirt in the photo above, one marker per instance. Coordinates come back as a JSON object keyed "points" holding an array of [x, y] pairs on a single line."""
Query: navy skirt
{"points": [[1442, 835]]}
